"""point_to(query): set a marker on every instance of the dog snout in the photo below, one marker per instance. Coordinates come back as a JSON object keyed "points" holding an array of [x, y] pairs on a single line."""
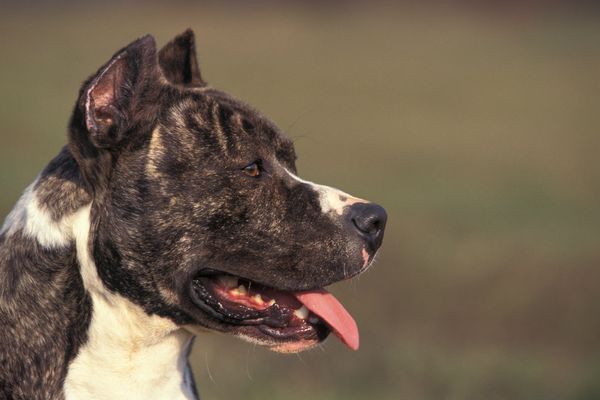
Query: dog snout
{"points": [[369, 221]]}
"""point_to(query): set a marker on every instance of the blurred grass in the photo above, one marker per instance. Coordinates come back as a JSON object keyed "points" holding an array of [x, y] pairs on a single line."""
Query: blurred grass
{"points": [[480, 135]]}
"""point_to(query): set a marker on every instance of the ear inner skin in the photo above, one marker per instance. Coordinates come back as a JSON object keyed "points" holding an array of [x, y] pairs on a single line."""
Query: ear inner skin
{"points": [[102, 118], [178, 61]]}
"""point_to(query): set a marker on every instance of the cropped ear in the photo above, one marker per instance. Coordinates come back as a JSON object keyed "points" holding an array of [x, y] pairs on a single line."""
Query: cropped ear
{"points": [[178, 61], [120, 101], [110, 100]]}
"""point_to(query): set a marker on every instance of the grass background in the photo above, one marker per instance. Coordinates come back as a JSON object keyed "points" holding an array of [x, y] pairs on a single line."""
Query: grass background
{"points": [[478, 131]]}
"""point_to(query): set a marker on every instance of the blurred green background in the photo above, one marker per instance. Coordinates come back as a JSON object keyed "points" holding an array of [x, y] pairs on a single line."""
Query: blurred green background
{"points": [[477, 129]]}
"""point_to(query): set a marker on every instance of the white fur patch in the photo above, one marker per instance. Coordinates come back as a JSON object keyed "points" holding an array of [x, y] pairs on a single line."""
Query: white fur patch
{"points": [[331, 199], [15, 220], [29, 215], [129, 354]]}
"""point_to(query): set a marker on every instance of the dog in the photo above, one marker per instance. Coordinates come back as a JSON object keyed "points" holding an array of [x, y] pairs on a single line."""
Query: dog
{"points": [[173, 209]]}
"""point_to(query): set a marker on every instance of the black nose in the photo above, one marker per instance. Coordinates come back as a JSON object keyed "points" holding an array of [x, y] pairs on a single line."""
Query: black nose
{"points": [[369, 220]]}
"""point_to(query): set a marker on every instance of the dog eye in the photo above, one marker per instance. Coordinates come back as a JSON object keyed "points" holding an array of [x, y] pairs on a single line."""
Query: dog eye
{"points": [[254, 170]]}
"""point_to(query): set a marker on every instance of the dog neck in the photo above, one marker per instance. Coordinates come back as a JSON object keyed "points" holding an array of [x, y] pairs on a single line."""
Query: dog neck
{"points": [[120, 350], [128, 354]]}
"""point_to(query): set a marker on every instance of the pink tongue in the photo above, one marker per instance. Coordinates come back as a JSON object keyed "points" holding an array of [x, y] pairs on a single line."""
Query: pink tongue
{"points": [[328, 308]]}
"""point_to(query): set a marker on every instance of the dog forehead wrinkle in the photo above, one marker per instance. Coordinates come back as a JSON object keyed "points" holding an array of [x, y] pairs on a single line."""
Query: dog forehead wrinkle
{"points": [[330, 199], [185, 113], [219, 113], [152, 350], [181, 109], [195, 126], [155, 152]]}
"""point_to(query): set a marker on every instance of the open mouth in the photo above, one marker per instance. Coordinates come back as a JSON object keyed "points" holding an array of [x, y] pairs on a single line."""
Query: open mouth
{"points": [[291, 320]]}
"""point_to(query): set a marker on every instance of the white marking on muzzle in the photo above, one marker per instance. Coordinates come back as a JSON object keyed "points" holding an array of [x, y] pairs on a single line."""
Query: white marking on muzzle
{"points": [[331, 199]]}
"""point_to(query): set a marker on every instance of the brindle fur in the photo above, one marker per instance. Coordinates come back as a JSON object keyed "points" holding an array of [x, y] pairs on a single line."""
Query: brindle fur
{"points": [[159, 155]]}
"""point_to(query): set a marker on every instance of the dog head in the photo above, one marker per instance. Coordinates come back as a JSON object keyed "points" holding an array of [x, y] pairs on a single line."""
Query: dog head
{"points": [[198, 214]]}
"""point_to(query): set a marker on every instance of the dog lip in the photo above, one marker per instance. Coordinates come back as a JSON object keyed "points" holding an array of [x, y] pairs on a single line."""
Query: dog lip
{"points": [[280, 317], [307, 332], [199, 301], [210, 272]]}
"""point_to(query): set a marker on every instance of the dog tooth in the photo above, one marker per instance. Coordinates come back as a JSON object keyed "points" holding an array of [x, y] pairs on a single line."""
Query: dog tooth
{"points": [[271, 302], [239, 291], [258, 299], [242, 290], [301, 313]]}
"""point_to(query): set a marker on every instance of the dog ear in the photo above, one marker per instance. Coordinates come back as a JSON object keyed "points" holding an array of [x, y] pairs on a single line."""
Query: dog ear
{"points": [[120, 101], [178, 61], [110, 98]]}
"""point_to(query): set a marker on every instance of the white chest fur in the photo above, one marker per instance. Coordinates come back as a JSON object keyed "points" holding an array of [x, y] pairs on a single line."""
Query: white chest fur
{"points": [[129, 354]]}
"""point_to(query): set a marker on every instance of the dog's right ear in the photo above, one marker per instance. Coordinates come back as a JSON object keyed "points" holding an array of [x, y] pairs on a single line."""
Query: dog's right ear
{"points": [[178, 61], [109, 98], [118, 102]]}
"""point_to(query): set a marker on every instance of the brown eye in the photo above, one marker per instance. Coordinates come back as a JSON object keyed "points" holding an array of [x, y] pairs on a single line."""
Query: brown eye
{"points": [[253, 169]]}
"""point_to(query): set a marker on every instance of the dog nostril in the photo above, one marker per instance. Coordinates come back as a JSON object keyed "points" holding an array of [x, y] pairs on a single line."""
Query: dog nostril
{"points": [[369, 220], [356, 225], [366, 226]]}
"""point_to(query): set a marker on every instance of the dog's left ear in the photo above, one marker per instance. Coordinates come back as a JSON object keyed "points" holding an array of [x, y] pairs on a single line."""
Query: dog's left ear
{"points": [[178, 61]]}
